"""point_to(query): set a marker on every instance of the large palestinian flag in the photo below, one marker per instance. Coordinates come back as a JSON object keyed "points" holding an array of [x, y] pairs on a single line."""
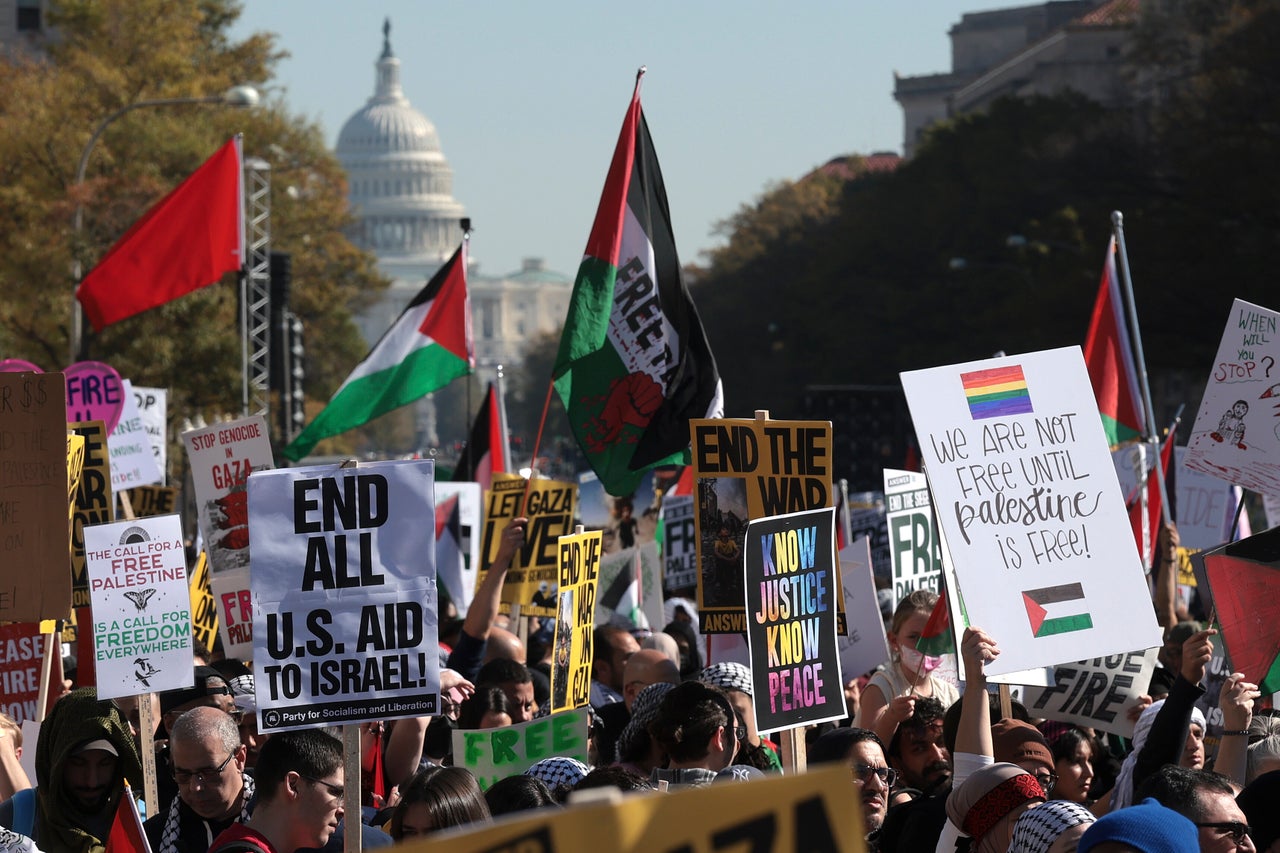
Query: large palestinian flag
{"points": [[1108, 354], [427, 347], [634, 364], [485, 452]]}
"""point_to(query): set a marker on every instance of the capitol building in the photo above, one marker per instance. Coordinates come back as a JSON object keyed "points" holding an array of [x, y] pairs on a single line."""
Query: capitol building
{"points": [[401, 193]]}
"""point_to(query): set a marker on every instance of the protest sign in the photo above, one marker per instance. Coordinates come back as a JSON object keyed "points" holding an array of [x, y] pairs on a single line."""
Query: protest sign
{"points": [[153, 407], [17, 365], [75, 470], [533, 576], [679, 545], [141, 610], [494, 754], [790, 578], [133, 461], [867, 518], [630, 588], [204, 612], [1236, 436], [95, 392], [1097, 693], [153, 500], [221, 457], [34, 537], [575, 620], [747, 469], [21, 655], [1032, 514], [459, 519], [1204, 503], [863, 646], [344, 594], [913, 540], [781, 814], [94, 501], [626, 520]]}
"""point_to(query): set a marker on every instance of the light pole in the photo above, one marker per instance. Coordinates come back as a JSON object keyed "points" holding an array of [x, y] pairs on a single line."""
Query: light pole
{"points": [[236, 96]]}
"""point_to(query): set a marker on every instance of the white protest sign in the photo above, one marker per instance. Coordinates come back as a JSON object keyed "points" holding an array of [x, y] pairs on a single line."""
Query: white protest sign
{"points": [[494, 754], [344, 593], [913, 542], [1098, 693], [459, 524], [221, 457], [1034, 519], [1204, 503], [865, 646], [680, 544], [153, 406], [1237, 431], [141, 608], [133, 461]]}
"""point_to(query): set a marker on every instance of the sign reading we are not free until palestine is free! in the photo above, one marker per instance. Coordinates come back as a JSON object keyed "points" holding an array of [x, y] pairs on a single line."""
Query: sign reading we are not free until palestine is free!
{"points": [[1027, 498]]}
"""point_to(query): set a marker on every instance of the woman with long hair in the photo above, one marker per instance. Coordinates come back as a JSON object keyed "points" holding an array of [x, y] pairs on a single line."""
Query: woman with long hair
{"points": [[437, 798]]}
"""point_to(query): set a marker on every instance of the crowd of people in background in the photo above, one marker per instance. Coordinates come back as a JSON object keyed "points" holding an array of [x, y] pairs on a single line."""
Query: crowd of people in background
{"points": [[929, 767]]}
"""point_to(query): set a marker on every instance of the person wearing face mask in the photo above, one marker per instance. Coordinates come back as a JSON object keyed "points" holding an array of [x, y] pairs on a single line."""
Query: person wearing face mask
{"points": [[889, 698]]}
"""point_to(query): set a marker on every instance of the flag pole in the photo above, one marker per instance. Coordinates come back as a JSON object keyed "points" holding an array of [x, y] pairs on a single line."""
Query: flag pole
{"points": [[1117, 225], [465, 222], [500, 388]]}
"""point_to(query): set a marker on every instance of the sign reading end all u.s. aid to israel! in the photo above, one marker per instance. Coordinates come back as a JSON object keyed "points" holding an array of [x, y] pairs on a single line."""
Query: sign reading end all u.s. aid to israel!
{"points": [[344, 593], [1026, 494]]}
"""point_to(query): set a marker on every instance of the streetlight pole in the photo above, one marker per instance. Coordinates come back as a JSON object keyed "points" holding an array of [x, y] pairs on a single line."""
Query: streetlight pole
{"points": [[236, 96]]}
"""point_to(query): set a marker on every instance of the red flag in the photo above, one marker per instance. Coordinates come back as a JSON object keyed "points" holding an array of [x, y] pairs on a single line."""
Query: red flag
{"points": [[484, 454], [126, 834], [1155, 506], [183, 243], [1109, 357]]}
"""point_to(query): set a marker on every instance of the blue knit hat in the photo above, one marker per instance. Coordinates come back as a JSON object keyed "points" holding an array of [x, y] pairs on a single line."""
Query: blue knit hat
{"points": [[1149, 826]]}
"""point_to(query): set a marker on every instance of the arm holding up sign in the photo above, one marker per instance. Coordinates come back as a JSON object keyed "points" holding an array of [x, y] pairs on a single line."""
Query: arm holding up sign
{"points": [[973, 737], [1236, 702], [1166, 579], [468, 654]]}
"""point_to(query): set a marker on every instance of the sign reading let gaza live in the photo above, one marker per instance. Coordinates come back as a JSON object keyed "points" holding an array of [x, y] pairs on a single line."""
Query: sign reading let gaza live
{"points": [[791, 619], [746, 469], [344, 588]]}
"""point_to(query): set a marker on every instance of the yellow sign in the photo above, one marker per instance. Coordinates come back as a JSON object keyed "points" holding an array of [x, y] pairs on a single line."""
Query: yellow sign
{"points": [[204, 610], [782, 814], [95, 503], [575, 620], [153, 500], [745, 469], [534, 573]]}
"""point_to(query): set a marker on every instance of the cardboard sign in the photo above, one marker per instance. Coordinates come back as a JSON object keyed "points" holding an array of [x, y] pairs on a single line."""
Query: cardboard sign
{"points": [[679, 545], [204, 612], [133, 460], [344, 589], [459, 520], [864, 646], [913, 540], [744, 470], [1034, 519], [141, 610], [153, 407], [1096, 693], [781, 814], [533, 576], [34, 537], [95, 392], [21, 656], [1236, 436], [494, 754], [575, 620], [222, 457], [94, 503], [791, 587]]}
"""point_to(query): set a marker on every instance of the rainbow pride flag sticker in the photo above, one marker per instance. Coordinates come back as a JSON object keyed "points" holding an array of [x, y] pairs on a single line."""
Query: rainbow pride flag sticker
{"points": [[997, 392]]}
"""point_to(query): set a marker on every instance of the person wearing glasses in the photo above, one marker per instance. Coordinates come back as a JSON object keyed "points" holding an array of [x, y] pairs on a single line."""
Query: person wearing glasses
{"points": [[299, 796], [872, 777], [1205, 798], [207, 761]]}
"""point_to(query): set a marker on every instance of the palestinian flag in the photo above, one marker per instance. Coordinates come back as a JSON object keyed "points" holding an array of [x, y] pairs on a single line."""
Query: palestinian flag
{"points": [[937, 638], [1108, 355], [1056, 610], [126, 834], [634, 364], [1243, 578], [449, 559], [427, 347], [485, 452], [1147, 528]]}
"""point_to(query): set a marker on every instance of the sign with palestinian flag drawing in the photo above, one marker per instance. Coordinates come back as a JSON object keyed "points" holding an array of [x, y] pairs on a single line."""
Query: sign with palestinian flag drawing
{"points": [[1236, 436], [634, 364], [1027, 498]]}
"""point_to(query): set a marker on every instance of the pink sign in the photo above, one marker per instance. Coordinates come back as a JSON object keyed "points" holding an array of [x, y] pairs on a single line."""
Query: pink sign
{"points": [[95, 392], [17, 365]]}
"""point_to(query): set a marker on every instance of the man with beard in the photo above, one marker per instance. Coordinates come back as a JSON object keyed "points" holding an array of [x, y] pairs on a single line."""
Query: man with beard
{"points": [[919, 753], [863, 753]]}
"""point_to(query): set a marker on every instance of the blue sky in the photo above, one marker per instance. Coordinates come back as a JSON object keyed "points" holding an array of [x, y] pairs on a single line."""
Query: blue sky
{"points": [[528, 97]]}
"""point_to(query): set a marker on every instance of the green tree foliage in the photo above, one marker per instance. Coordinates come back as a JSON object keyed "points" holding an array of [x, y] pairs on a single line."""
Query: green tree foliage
{"points": [[110, 53]]}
